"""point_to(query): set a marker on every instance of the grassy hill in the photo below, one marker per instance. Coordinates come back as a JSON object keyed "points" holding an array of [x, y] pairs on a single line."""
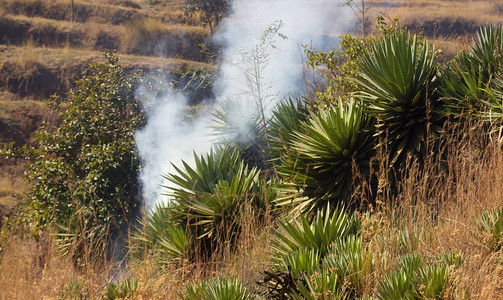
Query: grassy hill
{"points": [[42, 53]]}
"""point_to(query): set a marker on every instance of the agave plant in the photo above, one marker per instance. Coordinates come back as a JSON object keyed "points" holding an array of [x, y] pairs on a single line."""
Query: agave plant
{"points": [[324, 230], [401, 283], [322, 285], [415, 280], [398, 80], [173, 243], [304, 260], [351, 262], [287, 118], [210, 198], [331, 150], [467, 83], [123, 290], [217, 289], [489, 229]]}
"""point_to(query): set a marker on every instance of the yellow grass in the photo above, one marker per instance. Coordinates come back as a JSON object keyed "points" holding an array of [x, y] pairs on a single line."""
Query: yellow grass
{"points": [[436, 204]]}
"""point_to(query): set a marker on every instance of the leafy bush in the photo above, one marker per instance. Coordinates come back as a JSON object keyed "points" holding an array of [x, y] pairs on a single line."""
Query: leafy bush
{"points": [[415, 280], [333, 149], [322, 285], [85, 171], [352, 264], [325, 258], [398, 80]]}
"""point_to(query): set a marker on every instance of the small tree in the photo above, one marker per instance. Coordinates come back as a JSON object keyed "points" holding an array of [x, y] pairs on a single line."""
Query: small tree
{"points": [[210, 12], [85, 171]]}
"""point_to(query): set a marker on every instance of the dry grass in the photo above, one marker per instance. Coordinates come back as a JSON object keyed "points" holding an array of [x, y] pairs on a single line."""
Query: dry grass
{"points": [[41, 72], [452, 22], [34, 270], [154, 38], [12, 185], [85, 11], [433, 213]]}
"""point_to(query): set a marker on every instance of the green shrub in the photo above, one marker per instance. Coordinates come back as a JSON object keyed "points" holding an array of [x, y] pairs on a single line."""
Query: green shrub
{"points": [[322, 285], [84, 172], [468, 84], [351, 262], [172, 243], [287, 118], [413, 279]]}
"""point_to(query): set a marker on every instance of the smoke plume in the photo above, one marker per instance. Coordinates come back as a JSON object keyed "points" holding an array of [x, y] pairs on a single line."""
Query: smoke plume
{"points": [[261, 59]]}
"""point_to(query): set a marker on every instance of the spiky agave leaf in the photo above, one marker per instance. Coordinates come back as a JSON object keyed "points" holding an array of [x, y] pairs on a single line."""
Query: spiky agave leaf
{"points": [[210, 198], [468, 82], [172, 242], [330, 151], [217, 289], [301, 261], [322, 285], [397, 79], [287, 118], [351, 262], [489, 229], [219, 164], [326, 228], [432, 281]]}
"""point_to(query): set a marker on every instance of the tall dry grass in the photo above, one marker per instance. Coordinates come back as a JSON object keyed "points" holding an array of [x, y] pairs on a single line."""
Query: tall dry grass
{"points": [[433, 212]]}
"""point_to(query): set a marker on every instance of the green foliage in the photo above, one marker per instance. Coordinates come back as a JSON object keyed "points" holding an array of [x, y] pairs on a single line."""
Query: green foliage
{"points": [[302, 260], [489, 229], [351, 262], [211, 198], [85, 171], [414, 280], [324, 259], [333, 148], [76, 290], [172, 243], [397, 79], [123, 290], [338, 66], [287, 118], [326, 228], [322, 285], [477, 92], [217, 289]]}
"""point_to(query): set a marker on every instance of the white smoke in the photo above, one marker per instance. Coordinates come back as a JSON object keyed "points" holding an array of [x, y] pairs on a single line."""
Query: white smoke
{"points": [[165, 140]]}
